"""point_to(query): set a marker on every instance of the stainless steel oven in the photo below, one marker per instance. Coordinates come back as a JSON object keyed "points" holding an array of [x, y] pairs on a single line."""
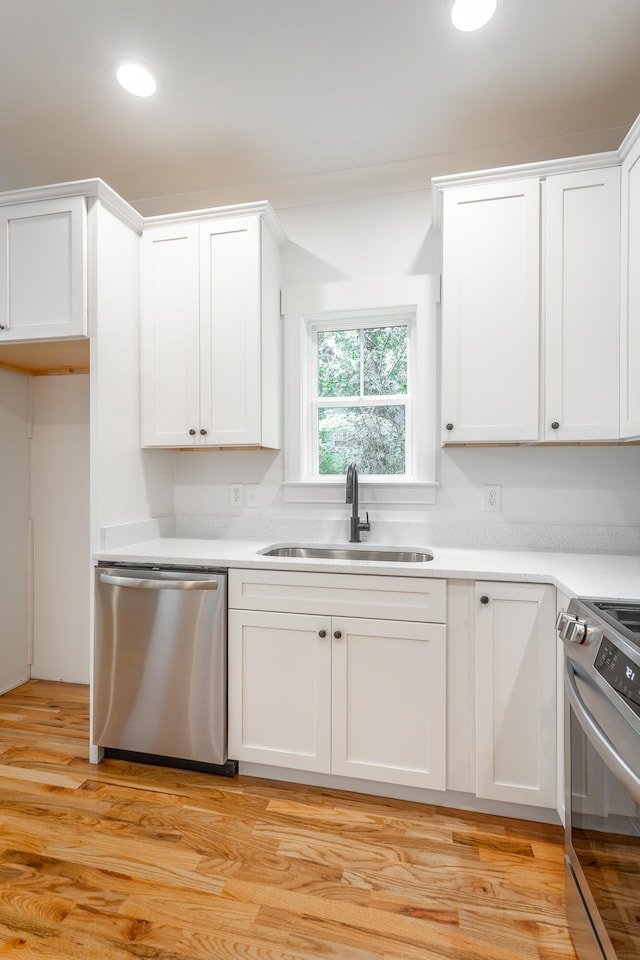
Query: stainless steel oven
{"points": [[602, 776]]}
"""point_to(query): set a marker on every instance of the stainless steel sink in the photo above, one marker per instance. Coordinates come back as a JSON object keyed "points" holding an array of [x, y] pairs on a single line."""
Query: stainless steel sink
{"points": [[381, 554]]}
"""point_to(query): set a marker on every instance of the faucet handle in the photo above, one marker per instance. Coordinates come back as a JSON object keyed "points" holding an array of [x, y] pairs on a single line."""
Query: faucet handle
{"points": [[365, 525]]}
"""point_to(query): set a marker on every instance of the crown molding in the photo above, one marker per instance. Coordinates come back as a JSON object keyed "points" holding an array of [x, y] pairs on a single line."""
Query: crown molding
{"points": [[261, 208], [94, 188]]}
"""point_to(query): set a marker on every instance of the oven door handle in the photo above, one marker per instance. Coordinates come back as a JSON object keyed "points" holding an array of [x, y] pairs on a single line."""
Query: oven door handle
{"points": [[599, 739]]}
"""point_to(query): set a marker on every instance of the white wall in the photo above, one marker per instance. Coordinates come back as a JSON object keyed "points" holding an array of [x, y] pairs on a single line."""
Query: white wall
{"points": [[329, 244], [338, 242], [14, 518], [128, 484], [60, 513], [568, 485]]}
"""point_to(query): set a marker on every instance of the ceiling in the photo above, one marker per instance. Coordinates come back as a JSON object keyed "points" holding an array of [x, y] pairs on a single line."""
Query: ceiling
{"points": [[292, 99]]}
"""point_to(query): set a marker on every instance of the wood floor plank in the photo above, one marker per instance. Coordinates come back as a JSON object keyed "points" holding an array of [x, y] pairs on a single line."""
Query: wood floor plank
{"points": [[121, 860]]}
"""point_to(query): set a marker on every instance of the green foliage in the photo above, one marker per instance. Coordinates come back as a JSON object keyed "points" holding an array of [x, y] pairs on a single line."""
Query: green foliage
{"points": [[358, 363], [354, 363], [372, 436], [339, 363], [385, 361]]}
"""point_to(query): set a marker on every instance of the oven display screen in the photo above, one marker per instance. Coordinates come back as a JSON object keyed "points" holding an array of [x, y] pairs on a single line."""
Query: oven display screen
{"points": [[619, 671]]}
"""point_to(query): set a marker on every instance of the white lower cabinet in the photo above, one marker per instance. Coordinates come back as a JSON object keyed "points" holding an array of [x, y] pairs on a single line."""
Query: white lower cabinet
{"points": [[280, 689], [347, 695], [389, 701], [327, 674], [516, 693]]}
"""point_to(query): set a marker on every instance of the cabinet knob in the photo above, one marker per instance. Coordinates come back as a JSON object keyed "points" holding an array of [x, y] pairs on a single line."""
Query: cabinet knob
{"points": [[322, 633], [192, 432], [2, 326], [555, 425], [337, 634], [484, 598], [449, 426], [203, 432]]}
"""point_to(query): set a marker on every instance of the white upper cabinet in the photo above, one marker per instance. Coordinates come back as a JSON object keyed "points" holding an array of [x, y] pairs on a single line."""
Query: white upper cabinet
{"points": [[582, 269], [630, 290], [170, 338], [490, 311], [211, 330], [43, 255], [518, 366]]}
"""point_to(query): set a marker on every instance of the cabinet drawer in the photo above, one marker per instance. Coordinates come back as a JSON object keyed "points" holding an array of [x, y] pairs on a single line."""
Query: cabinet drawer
{"points": [[357, 595]]}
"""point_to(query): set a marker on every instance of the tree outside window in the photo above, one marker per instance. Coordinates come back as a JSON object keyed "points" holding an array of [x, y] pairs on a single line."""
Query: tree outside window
{"points": [[361, 397]]}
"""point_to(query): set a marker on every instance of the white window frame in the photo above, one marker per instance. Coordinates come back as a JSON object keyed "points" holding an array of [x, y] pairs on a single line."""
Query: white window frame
{"points": [[416, 296], [355, 320]]}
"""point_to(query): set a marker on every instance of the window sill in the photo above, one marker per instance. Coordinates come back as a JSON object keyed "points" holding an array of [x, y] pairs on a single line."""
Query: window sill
{"points": [[370, 491]]}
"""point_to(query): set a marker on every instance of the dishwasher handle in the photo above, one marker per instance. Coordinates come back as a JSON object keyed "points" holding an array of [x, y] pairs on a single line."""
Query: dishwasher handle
{"points": [[140, 583]]}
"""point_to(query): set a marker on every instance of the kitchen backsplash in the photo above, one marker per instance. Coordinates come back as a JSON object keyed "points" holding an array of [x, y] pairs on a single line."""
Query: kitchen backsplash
{"points": [[522, 536]]}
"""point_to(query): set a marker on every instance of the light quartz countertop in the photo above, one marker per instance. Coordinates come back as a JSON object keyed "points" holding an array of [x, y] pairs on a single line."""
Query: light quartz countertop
{"points": [[582, 574]]}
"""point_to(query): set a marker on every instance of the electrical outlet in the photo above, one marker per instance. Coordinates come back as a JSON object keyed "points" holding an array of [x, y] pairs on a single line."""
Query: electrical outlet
{"points": [[236, 497], [251, 494], [492, 497]]}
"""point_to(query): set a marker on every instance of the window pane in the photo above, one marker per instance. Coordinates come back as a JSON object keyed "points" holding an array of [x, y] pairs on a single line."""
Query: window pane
{"points": [[339, 363], [385, 361], [372, 436]]}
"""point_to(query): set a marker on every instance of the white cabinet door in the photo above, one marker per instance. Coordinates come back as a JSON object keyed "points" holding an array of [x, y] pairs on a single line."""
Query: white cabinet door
{"points": [[582, 259], [630, 296], [43, 270], [280, 689], [170, 336], [490, 312], [230, 331], [389, 701], [359, 698], [516, 693], [211, 342]]}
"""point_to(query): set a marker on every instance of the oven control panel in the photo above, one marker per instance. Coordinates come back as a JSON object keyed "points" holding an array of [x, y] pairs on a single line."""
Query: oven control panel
{"points": [[620, 672]]}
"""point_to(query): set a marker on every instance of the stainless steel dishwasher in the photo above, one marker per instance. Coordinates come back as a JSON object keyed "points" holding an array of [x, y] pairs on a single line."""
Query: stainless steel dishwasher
{"points": [[160, 666]]}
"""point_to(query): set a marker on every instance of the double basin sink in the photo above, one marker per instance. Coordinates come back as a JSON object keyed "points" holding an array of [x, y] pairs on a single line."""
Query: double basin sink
{"points": [[359, 553]]}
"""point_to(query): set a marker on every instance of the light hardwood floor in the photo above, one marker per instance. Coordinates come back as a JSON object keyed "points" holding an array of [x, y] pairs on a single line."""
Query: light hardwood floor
{"points": [[122, 860]]}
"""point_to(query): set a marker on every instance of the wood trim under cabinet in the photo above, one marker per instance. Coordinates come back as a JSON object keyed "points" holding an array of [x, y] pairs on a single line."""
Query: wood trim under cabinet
{"points": [[549, 443], [46, 358]]}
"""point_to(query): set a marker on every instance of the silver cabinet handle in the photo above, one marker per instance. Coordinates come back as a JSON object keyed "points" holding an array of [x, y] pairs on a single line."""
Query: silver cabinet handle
{"points": [[599, 739], [142, 584]]}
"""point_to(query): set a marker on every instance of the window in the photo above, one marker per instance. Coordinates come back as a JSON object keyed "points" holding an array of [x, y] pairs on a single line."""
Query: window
{"points": [[360, 396], [361, 384]]}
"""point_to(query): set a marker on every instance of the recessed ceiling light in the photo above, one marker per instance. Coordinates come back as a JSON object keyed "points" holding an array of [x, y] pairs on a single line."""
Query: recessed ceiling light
{"points": [[136, 79], [470, 15]]}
